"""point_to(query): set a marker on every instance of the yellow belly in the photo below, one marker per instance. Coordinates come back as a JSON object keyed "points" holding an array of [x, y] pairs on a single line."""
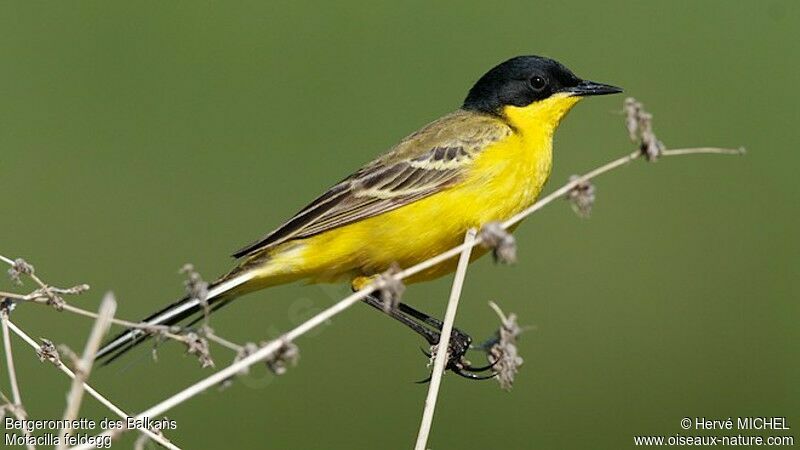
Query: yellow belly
{"points": [[504, 179]]}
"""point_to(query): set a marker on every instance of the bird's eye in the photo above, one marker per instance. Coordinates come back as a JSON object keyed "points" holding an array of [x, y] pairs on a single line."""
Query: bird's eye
{"points": [[538, 83]]}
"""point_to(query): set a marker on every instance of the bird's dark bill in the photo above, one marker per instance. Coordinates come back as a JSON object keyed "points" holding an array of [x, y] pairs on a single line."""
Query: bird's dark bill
{"points": [[586, 88]]}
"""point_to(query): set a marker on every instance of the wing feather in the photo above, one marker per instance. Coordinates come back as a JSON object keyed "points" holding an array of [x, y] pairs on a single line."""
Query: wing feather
{"points": [[424, 163]]}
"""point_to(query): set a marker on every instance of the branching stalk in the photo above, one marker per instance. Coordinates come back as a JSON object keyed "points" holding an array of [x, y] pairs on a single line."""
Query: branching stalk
{"points": [[155, 435]]}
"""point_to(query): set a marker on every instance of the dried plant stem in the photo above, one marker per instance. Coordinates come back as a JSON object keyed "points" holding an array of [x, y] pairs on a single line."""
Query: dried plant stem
{"points": [[444, 340], [563, 190], [16, 397], [156, 436], [272, 347], [707, 150], [223, 342], [560, 192], [12, 372], [84, 366]]}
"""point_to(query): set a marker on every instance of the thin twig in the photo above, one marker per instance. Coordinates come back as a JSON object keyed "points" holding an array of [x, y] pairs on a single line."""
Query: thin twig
{"points": [[563, 190], [555, 195], [84, 366], [270, 348], [155, 435], [222, 341], [708, 150], [18, 408], [443, 347], [160, 329]]}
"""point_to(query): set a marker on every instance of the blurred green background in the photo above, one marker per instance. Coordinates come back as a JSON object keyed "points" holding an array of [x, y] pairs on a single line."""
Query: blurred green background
{"points": [[138, 136]]}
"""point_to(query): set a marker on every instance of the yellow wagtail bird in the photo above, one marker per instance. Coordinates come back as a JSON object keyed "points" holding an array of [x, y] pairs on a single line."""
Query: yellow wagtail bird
{"points": [[482, 163]]}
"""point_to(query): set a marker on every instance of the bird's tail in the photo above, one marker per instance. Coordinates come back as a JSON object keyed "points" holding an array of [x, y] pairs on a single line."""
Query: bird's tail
{"points": [[220, 293]]}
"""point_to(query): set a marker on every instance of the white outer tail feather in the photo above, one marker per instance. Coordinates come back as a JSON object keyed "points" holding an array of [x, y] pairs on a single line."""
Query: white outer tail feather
{"points": [[214, 292]]}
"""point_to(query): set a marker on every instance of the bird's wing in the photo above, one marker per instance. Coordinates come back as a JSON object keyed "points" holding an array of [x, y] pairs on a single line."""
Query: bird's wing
{"points": [[422, 164]]}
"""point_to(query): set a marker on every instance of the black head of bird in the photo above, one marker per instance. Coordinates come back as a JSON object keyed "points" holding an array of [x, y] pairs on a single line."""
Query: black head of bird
{"points": [[524, 80]]}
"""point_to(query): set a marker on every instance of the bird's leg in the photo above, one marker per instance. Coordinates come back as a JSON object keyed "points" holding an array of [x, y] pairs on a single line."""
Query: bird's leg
{"points": [[430, 335], [429, 328]]}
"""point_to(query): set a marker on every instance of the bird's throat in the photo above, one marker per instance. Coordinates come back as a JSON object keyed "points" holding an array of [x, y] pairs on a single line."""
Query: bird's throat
{"points": [[540, 118]]}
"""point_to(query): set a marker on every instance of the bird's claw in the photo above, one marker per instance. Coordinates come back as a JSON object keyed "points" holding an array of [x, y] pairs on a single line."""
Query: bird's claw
{"points": [[480, 369], [463, 368]]}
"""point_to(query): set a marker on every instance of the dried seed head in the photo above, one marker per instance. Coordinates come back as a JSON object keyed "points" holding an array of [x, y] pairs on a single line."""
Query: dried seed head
{"points": [[47, 352], [640, 129], [196, 287], [502, 243], [651, 146], [198, 346], [55, 300], [20, 267], [247, 349], [631, 109], [75, 290], [581, 196], [503, 352], [54, 294], [287, 354], [390, 288]]}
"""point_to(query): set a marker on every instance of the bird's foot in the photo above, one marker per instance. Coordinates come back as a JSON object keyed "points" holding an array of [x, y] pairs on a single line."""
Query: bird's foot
{"points": [[460, 344]]}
